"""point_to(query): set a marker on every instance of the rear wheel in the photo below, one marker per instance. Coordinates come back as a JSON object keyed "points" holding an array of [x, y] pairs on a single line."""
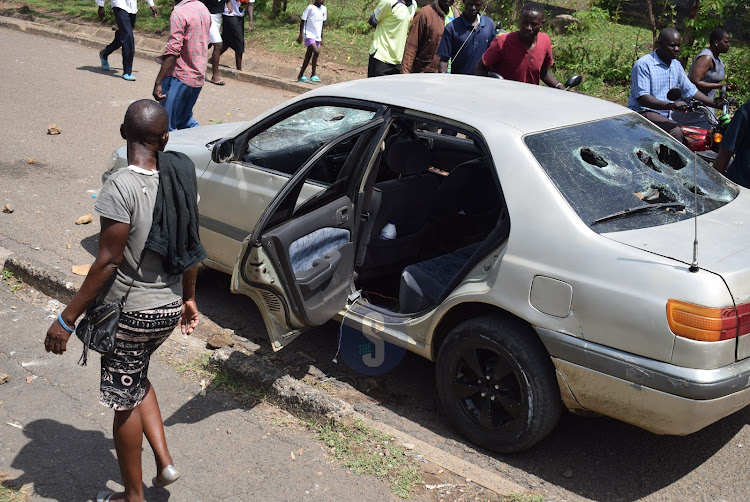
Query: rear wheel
{"points": [[497, 383]]}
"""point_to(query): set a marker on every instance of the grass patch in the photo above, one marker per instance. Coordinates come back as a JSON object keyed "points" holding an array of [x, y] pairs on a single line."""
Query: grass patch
{"points": [[367, 451], [10, 280], [10, 493], [522, 497], [212, 376]]}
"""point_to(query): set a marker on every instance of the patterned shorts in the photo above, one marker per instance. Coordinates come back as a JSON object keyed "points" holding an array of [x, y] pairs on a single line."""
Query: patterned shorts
{"points": [[139, 334]]}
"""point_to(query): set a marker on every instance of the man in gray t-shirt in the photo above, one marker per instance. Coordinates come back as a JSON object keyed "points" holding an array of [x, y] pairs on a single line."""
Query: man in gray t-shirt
{"points": [[128, 197]]}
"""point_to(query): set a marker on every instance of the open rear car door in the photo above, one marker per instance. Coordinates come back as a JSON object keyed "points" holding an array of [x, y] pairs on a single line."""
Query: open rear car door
{"points": [[298, 263]]}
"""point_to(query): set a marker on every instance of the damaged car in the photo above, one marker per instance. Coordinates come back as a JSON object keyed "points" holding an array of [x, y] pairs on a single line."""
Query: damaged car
{"points": [[552, 251]]}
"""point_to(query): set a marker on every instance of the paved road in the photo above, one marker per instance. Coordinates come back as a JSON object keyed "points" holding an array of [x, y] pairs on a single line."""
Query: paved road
{"points": [[583, 459], [55, 437]]}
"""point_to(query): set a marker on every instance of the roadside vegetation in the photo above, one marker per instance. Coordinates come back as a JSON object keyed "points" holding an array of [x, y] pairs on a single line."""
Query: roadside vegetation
{"points": [[602, 47], [9, 493]]}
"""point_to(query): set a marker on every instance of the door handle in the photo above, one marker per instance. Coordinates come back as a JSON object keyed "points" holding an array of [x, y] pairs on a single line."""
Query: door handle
{"points": [[342, 215]]}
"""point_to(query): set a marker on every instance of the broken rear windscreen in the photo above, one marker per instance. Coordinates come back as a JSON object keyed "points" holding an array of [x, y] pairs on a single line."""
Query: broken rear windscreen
{"points": [[622, 163]]}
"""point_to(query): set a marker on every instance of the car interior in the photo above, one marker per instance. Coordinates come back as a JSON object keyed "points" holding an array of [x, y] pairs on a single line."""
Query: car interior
{"points": [[438, 188]]}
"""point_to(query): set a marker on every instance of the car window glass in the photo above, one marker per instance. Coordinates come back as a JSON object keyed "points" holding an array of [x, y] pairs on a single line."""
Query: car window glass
{"points": [[286, 145], [622, 163]]}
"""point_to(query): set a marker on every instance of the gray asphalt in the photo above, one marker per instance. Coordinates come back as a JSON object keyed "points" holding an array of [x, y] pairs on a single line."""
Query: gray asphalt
{"points": [[583, 459], [56, 438]]}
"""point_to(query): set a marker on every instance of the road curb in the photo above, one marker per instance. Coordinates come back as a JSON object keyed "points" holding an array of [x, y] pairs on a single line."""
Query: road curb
{"points": [[286, 390], [145, 48]]}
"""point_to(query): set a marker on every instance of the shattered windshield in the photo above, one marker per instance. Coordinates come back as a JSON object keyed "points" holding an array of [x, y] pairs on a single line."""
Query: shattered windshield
{"points": [[621, 164], [318, 125]]}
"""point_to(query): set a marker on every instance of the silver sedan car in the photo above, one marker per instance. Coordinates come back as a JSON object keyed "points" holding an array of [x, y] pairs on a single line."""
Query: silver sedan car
{"points": [[547, 250]]}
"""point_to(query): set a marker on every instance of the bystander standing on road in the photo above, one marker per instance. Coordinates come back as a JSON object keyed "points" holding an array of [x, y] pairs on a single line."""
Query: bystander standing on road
{"points": [[125, 14], [465, 39], [391, 21], [311, 32], [524, 55], [424, 37], [183, 64], [154, 281], [250, 19], [233, 30], [216, 9]]}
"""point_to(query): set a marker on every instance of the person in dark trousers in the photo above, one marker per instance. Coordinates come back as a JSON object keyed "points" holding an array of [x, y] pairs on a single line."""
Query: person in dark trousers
{"points": [[311, 32], [424, 37], [158, 296], [524, 55], [465, 39], [391, 22], [125, 13]]}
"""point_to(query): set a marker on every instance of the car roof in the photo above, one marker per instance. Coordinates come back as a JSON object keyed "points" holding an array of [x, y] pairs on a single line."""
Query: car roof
{"points": [[478, 101]]}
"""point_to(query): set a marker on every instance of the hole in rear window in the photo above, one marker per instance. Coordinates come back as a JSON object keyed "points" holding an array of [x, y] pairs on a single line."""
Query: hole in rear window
{"points": [[656, 194], [692, 188], [670, 157], [646, 159], [593, 158]]}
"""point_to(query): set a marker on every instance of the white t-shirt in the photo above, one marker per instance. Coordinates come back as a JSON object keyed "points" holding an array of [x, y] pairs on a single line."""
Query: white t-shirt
{"points": [[313, 18]]}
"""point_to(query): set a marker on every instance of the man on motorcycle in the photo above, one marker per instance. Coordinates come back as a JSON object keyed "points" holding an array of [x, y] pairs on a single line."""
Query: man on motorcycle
{"points": [[652, 77]]}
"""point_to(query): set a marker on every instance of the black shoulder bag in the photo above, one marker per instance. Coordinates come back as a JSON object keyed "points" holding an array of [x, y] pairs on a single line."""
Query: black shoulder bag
{"points": [[98, 328]]}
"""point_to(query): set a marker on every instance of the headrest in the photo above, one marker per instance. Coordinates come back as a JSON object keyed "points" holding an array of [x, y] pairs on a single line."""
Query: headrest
{"points": [[408, 157]]}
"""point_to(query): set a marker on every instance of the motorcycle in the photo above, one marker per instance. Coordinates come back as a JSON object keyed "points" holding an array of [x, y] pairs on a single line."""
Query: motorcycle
{"points": [[702, 129]]}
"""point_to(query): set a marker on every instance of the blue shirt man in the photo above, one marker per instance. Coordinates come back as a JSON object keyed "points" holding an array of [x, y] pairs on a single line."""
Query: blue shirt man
{"points": [[652, 77], [465, 39]]}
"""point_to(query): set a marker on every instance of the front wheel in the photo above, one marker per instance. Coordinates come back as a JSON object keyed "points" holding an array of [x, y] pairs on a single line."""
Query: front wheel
{"points": [[497, 383]]}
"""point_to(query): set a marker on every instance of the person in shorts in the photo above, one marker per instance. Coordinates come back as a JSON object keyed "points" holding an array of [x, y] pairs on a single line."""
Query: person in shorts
{"points": [[160, 296], [216, 9], [311, 32]]}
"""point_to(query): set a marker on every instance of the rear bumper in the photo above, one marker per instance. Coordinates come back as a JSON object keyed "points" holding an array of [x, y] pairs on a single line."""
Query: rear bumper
{"points": [[656, 396]]}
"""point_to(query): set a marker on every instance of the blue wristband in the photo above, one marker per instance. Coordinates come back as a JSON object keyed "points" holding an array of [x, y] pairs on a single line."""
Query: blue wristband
{"points": [[65, 326]]}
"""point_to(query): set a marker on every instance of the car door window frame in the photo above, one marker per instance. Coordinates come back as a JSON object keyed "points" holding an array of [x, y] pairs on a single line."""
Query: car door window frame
{"points": [[241, 141]]}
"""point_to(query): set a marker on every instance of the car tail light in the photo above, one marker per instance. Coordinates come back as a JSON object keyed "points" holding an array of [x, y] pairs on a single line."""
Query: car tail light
{"points": [[707, 324]]}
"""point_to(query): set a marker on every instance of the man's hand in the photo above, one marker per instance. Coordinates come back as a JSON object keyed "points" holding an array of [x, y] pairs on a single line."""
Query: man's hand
{"points": [[189, 317], [158, 96], [679, 105], [154, 12], [57, 339], [299, 38], [100, 12]]}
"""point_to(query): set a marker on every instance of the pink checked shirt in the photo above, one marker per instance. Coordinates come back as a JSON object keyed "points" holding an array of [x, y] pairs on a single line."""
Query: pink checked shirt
{"points": [[188, 40]]}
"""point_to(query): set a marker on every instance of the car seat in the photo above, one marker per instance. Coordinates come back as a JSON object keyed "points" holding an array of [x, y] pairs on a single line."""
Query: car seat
{"points": [[406, 201]]}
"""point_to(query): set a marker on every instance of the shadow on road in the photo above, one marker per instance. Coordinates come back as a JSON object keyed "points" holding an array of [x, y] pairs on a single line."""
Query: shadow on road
{"points": [[598, 458], [112, 72]]}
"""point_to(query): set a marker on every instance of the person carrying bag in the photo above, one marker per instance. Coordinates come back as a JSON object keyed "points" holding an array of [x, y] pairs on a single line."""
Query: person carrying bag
{"points": [[146, 266]]}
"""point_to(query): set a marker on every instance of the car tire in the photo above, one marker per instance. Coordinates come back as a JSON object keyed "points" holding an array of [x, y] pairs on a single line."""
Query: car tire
{"points": [[497, 383]]}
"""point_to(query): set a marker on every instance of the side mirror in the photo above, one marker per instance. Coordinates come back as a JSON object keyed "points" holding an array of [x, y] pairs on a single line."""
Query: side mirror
{"points": [[573, 81], [223, 150], [674, 94]]}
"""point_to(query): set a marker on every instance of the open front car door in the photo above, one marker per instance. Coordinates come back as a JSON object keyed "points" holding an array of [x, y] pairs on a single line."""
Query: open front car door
{"points": [[298, 263]]}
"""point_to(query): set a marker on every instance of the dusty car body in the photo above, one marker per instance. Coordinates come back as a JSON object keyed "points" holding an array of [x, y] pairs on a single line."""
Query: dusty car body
{"points": [[543, 255]]}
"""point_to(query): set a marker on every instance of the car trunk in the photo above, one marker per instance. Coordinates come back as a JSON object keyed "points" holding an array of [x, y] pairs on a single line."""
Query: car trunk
{"points": [[723, 248]]}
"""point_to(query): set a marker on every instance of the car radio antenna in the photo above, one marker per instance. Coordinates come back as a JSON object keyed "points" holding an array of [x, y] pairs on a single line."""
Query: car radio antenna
{"points": [[694, 265]]}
